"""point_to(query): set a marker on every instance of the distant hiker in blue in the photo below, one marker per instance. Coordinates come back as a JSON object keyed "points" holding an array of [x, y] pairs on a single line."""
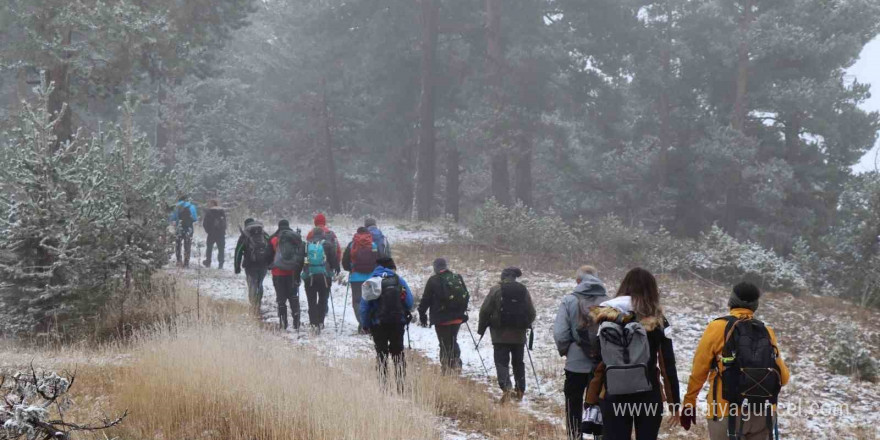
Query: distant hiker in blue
{"points": [[183, 216], [385, 313], [383, 247]]}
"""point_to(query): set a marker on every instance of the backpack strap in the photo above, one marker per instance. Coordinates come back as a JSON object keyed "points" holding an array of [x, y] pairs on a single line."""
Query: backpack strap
{"points": [[716, 382]]}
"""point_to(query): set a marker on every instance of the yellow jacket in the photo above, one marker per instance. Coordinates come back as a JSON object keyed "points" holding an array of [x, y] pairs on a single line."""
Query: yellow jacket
{"points": [[709, 352]]}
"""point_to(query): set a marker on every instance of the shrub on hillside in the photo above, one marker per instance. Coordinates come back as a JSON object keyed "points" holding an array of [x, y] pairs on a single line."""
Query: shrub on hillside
{"points": [[520, 228], [850, 357]]}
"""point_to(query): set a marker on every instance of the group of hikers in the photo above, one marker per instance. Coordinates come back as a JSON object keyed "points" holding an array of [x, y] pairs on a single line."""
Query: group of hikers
{"points": [[620, 367]]}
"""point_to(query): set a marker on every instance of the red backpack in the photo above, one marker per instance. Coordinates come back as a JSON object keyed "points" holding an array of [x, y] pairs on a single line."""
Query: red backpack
{"points": [[363, 253]]}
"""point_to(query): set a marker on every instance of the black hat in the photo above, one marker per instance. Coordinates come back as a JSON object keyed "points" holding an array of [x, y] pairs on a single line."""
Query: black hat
{"points": [[387, 262], [284, 224], [745, 296], [369, 222], [440, 265], [248, 221], [511, 273]]}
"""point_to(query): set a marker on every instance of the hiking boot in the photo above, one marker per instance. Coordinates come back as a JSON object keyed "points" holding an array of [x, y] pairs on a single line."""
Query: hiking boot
{"points": [[506, 395], [220, 266], [518, 395]]}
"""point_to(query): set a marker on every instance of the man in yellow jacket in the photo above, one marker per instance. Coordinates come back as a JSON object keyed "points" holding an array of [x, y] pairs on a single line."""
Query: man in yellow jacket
{"points": [[707, 365]]}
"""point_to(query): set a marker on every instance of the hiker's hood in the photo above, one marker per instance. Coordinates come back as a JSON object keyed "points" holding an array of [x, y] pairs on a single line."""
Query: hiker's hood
{"points": [[590, 286], [382, 271], [610, 311]]}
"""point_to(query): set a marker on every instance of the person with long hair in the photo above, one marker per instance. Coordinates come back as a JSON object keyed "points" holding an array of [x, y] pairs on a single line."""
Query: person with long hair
{"points": [[638, 300]]}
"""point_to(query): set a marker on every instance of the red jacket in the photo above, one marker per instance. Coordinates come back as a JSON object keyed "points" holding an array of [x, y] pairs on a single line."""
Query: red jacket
{"points": [[330, 236], [278, 272]]}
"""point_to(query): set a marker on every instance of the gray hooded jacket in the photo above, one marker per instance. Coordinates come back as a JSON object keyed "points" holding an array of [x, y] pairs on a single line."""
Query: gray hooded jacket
{"points": [[592, 290]]}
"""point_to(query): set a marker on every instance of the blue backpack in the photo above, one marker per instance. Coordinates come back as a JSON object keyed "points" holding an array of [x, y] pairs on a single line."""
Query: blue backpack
{"points": [[381, 243], [316, 258]]}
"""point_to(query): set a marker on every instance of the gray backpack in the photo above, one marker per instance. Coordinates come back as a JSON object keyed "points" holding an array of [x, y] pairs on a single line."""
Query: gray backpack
{"points": [[626, 353]]}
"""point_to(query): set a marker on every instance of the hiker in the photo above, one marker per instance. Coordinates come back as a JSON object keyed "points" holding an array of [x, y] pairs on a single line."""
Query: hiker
{"points": [[288, 259], [385, 313], [184, 217], [718, 359], [320, 222], [359, 260], [447, 297], [636, 351], [508, 313], [576, 340], [321, 263], [215, 226], [254, 253], [383, 247]]}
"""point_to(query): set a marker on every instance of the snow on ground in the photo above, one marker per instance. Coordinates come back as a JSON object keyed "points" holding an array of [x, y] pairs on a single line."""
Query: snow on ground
{"points": [[688, 311]]}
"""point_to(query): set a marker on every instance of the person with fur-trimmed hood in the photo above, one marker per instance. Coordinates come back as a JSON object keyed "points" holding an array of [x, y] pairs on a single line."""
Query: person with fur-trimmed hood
{"points": [[576, 341], [508, 312], [638, 299]]}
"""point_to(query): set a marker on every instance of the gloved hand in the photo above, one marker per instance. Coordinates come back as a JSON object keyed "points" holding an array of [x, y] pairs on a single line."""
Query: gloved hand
{"points": [[464, 319], [688, 418], [423, 320]]}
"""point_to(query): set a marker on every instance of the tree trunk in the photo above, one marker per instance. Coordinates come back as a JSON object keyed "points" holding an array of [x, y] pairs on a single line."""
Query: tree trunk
{"points": [[162, 144], [453, 182], [665, 105], [58, 74], [495, 59], [523, 177], [740, 109], [335, 202], [426, 168]]}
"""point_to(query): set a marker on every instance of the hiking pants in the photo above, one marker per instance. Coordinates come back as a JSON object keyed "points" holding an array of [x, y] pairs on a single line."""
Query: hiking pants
{"points": [[184, 239], [575, 386], [255, 278], [644, 413], [356, 290], [287, 289], [755, 428], [388, 339], [504, 354], [317, 293], [220, 241], [450, 352]]}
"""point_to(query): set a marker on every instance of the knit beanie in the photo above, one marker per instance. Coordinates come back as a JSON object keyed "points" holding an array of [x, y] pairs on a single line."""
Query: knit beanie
{"points": [[440, 265], [248, 221], [387, 262], [511, 273], [283, 224], [744, 296], [320, 220], [369, 222]]}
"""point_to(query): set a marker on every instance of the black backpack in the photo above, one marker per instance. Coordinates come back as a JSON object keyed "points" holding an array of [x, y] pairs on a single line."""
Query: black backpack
{"points": [[218, 222], [184, 215], [588, 328], [455, 295], [749, 360], [291, 252], [390, 304], [257, 247], [514, 311]]}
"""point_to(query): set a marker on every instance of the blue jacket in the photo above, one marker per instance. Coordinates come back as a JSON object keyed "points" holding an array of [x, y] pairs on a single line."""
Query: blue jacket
{"points": [[367, 307], [184, 203], [382, 245]]}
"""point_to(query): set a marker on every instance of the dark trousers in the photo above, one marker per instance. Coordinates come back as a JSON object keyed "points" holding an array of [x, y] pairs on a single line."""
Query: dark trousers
{"points": [[504, 354], [317, 293], [184, 240], [618, 420], [287, 290], [388, 339], [255, 278], [450, 352], [220, 241], [356, 289], [575, 386]]}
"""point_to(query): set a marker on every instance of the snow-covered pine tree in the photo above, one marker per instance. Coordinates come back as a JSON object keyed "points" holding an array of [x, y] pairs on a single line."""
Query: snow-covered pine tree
{"points": [[58, 216], [137, 187]]}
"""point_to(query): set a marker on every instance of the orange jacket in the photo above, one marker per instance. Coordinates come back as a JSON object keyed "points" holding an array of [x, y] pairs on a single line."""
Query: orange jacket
{"points": [[709, 352]]}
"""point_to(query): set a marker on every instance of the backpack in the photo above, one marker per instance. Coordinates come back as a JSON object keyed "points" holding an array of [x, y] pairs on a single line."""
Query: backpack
{"points": [[514, 312], [455, 294], [749, 360], [381, 243], [587, 328], [257, 249], [390, 307], [289, 254], [184, 215], [218, 222], [363, 254], [316, 258], [626, 353]]}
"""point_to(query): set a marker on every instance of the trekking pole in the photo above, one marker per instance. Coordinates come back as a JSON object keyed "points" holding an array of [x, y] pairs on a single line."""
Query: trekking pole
{"points": [[344, 307], [529, 350], [477, 348], [408, 340], [332, 306]]}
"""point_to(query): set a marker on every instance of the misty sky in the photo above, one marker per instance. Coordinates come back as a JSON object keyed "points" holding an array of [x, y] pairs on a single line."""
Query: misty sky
{"points": [[867, 70]]}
